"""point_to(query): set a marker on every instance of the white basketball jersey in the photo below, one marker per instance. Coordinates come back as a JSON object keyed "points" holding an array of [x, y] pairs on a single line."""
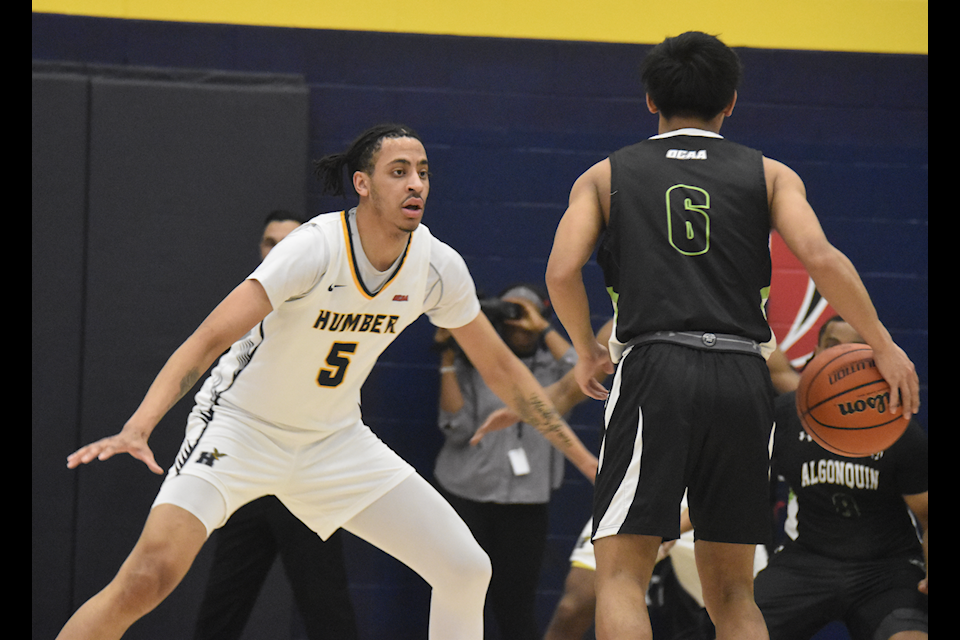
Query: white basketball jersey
{"points": [[303, 365]]}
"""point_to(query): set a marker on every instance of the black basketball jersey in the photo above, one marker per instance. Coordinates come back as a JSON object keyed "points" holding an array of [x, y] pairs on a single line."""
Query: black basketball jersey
{"points": [[849, 508], [687, 244]]}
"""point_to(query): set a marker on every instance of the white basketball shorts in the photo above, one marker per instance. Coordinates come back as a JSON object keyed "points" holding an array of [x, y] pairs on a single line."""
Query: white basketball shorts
{"points": [[324, 479]]}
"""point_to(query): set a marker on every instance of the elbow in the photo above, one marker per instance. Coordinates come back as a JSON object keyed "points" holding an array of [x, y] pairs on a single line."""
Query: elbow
{"points": [[823, 257], [560, 274]]}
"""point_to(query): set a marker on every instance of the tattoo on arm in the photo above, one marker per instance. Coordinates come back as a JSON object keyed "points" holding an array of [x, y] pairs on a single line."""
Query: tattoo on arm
{"points": [[186, 383], [534, 411]]}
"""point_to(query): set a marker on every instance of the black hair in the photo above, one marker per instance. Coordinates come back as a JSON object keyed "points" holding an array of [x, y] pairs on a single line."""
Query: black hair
{"points": [[823, 329], [827, 323], [693, 75], [282, 215], [358, 157]]}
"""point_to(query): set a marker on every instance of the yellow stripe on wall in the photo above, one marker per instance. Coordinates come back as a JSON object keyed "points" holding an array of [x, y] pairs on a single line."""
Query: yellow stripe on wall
{"points": [[882, 26]]}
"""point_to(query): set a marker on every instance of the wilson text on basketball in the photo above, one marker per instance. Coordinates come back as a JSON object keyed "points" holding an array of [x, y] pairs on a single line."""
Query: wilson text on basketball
{"points": [[878, 403]]}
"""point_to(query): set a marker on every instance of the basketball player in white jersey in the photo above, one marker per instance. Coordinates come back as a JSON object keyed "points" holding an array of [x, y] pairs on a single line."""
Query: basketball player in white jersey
{"points": [[279, 414]]}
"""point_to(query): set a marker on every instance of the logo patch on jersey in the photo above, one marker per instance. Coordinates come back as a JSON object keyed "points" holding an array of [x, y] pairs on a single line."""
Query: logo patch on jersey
{"points": [[209, 458], [683, 154], [400, 298]]}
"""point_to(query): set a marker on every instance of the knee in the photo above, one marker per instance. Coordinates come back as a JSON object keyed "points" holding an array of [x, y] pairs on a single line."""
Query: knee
{"points": [[573, 609], [723, 594], [468, 570], [145, 579], [477, 566]]}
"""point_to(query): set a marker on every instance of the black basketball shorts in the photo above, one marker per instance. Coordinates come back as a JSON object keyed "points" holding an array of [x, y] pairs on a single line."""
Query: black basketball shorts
{"points": [[800, 592], [684, 418]]}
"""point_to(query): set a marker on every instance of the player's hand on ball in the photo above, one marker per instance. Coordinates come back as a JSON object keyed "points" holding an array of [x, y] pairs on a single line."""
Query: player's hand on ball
{"points": [[127, 441], [897, 369]]}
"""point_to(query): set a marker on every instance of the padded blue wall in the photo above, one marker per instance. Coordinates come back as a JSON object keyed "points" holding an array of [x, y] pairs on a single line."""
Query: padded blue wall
{"points": [[508, 126]]}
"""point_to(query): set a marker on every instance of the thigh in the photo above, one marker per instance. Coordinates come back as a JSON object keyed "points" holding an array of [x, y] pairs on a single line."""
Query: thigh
{"points": [[237, 455], [335, 478], [885, 599], [478, 516], [723, 568], [624, 566], [728, 468], [644, 450], [414, 524], [797, 596]]}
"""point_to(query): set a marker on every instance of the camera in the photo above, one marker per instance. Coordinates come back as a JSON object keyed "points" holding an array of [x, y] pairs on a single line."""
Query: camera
{"points": [[498, 310]]}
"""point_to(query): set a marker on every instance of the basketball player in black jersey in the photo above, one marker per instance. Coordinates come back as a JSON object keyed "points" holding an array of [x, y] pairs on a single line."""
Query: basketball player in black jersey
{"points": [[851, 551], [685, 219]]}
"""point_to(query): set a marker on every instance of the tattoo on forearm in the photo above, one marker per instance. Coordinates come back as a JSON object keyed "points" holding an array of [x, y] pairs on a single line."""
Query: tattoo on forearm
{"points": [[186, 383], [534, 411]]}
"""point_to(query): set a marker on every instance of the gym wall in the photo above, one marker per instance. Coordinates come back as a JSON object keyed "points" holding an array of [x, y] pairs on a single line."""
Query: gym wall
{"points": [[508, 124], [150, 187]]}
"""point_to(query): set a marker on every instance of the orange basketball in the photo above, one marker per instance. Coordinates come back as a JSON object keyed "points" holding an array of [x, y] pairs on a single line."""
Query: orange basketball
{"points": [[844, 403]]}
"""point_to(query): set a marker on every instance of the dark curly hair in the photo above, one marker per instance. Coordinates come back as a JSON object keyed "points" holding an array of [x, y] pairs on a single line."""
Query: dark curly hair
{"points": [[358, 157]]}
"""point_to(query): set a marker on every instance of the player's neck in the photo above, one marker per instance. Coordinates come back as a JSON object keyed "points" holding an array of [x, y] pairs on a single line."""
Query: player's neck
{"points": [[381, 242], [679, 122]]}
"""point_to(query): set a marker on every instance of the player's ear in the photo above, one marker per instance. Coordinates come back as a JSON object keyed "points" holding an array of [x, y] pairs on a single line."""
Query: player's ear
{"points": [[361, 182], [650, 106], [728, 111]]}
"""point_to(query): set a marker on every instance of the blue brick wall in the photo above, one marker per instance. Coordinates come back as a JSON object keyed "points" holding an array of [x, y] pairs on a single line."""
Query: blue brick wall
{"points": [[508, 126]]}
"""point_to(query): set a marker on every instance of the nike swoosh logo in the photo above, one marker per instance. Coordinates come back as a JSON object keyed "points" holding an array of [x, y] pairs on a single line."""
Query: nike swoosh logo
{"points": [[331, 287]]}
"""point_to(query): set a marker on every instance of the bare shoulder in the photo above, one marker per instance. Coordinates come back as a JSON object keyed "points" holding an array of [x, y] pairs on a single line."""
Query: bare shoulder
{"points": [[780, 177], [593, 188]]}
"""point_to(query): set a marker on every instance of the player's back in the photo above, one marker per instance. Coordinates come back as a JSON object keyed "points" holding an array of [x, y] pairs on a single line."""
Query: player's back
{"points": [[686, 248]]}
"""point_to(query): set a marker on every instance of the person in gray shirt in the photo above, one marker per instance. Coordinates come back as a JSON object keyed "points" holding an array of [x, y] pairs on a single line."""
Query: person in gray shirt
{"points": [[501, 487]]}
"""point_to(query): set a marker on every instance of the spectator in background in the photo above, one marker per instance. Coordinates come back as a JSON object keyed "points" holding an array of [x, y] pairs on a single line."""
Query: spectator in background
{"points": [[851, 552], [248, 544], [501, 487]]}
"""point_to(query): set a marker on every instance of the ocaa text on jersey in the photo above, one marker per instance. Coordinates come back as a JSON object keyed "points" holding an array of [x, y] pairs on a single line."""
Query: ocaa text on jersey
{"points": [[682, 154]]}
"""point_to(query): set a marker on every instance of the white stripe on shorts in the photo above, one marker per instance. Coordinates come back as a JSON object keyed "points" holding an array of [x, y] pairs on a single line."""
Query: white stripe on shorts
{"points": [[616, 513]]}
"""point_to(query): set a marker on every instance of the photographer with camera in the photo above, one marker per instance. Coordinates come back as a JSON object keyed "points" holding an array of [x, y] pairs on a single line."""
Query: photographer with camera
{"points": [[501, 487]]}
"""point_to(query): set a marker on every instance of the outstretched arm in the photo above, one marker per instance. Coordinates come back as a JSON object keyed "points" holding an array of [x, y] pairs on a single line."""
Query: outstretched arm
{"points": [[239, 312], [513, 383], [838, 281]]}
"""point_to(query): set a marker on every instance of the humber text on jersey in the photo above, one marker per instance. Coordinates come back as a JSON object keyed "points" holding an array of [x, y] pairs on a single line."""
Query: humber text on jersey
{"points": [[361, 322]]}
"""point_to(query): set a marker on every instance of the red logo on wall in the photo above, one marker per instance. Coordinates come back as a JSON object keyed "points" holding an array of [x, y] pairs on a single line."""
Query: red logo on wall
{"points": [[795, 310]]}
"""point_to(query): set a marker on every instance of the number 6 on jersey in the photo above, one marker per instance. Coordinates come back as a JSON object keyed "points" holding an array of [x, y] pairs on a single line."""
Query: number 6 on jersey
{"points": [[689, 234]]}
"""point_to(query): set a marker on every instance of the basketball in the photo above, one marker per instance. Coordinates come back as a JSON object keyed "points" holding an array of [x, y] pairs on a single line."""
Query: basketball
{"points": [[844, 403]]}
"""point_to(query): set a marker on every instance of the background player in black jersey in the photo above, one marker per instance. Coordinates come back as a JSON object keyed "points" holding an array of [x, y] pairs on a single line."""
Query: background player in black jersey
{"points": [[249, 543], [852, 551], [687, 217]]}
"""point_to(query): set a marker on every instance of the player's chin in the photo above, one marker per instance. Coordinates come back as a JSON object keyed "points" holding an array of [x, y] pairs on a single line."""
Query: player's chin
{"points": [[411, 219]]}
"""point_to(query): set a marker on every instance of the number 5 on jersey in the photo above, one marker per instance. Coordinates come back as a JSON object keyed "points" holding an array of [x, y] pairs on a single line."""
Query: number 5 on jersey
{"points": [[333, 377]]}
